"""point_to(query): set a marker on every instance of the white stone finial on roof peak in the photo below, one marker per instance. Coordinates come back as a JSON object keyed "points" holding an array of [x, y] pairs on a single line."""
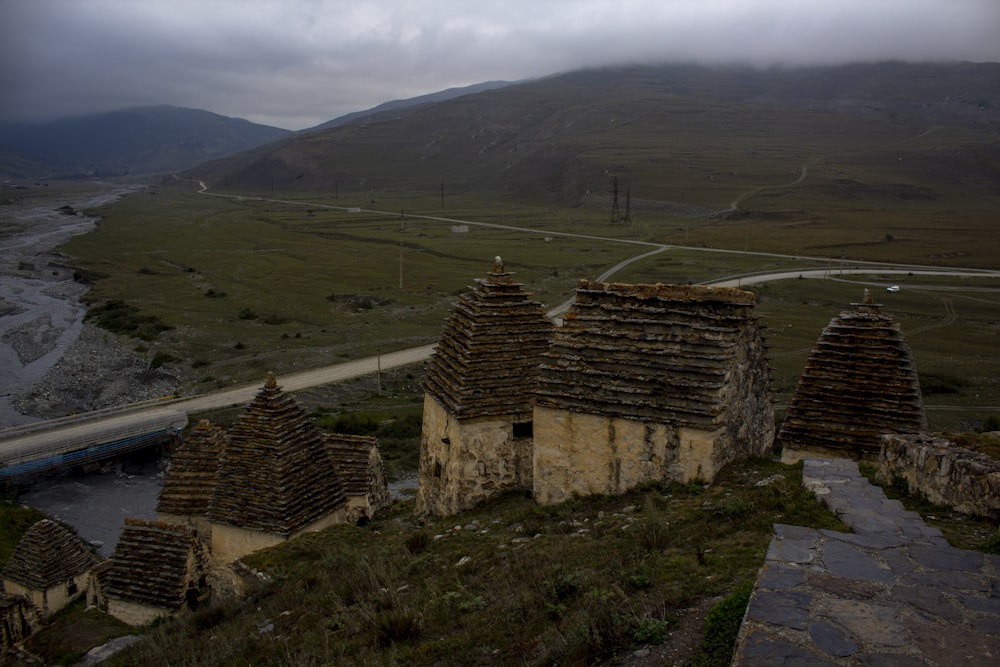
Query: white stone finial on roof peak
{"points": [[271, 381], [498, 264]]}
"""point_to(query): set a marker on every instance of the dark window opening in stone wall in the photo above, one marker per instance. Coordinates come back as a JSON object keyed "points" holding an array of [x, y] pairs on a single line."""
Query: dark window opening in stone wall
{"points": [[524, 429]]}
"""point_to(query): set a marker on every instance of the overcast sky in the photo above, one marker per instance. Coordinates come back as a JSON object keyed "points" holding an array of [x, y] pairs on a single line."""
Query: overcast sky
{"points": [[297, 63]]}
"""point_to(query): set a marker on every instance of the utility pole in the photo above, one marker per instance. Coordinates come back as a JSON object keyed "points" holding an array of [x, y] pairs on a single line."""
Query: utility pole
{"points": [[628, 206], [442, 194], [614, 201]]}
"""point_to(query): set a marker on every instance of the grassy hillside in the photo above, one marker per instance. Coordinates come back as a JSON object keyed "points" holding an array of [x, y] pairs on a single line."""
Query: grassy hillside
{"points": [[831, 159], [510, 583]]}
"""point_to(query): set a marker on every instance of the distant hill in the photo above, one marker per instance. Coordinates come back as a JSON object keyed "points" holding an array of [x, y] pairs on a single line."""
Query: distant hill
{"points": [[141, 140], [396, 105], [664, 130]]}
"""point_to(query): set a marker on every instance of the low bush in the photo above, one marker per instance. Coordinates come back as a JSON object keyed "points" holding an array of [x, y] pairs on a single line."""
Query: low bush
{"points": [[161, 358], [122, 318], [723, 625]]}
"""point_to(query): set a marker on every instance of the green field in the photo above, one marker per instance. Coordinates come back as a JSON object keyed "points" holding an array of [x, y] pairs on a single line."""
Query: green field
{"points": [[250, 286]]}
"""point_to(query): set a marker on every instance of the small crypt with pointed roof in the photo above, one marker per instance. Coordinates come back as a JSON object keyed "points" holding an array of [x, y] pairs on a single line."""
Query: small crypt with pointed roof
{"points": [[359, 463], [49, 566], [276, 479], [191, 478], [157, 569], [859, 382], [649, 383], [479, 386]]}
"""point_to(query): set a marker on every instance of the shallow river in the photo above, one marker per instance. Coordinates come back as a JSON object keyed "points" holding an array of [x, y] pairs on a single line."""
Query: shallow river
{"points": [[97, 504]]}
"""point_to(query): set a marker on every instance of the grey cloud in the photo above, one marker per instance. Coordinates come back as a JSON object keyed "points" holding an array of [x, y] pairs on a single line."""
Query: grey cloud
{"points": [[295, 64]]}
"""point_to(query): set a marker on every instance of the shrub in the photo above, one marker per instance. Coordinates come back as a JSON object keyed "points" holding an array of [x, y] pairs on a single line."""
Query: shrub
{"points": [[637, 578], [606, 630], [648, 630], [119, 317], [418, 541], [939, 383], [397, 625], [564, 584], [991, 423], [723, 624], [161, 358], [992, 545], [208, 617], [653, 530], [900, 485], [247, 314]]}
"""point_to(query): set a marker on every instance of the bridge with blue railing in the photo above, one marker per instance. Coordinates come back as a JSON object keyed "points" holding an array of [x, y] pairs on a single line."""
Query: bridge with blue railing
{"points": [[72, 442]]}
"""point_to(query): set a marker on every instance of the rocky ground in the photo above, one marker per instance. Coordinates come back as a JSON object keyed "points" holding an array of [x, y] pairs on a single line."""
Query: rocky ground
{"points": [[51, 363], [98, 371]]}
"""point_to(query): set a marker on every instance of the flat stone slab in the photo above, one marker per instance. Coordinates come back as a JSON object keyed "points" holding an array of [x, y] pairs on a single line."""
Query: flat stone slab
{"points": [[891, 593]]}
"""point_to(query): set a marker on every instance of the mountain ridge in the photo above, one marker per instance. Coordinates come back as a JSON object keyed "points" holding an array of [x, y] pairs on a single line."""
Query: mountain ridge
{"points": [[132, 141], [562, 136]]}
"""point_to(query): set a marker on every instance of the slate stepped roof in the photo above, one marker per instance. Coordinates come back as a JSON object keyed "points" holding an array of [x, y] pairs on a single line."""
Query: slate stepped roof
{"points": [[152, 563], [48, 555], [859, 382], [486, 361], [658, 352], [352, 455], [276, 475], [187, 488]]}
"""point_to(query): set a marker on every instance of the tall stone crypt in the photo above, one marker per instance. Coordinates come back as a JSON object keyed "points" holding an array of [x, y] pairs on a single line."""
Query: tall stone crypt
{"points": [[649, 383], [479, 386], [859, 382]]}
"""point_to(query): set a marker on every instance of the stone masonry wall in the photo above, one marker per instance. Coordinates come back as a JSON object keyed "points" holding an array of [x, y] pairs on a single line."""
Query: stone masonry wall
{"points": [[650, 383], [943, 472], [466, 461], [18, 619], [577, 453]]}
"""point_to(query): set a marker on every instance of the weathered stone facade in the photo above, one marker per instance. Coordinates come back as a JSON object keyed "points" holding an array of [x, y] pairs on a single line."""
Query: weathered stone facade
{"points": [[275, 481], [479, 384], [18, 620], [943, 472], [649, 383], [49, 567], [858, 383], [463, 462], [156, 570]]}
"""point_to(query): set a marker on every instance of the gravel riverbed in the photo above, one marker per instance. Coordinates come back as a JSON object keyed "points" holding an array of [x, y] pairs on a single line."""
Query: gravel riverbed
{"points": [[97, 371], [52, 363]]}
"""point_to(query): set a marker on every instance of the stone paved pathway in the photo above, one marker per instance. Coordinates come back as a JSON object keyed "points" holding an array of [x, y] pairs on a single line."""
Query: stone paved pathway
{"points": [[891, 593]]}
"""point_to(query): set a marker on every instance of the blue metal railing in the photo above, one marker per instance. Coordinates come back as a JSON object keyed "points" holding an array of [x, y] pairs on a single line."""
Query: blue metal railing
{"points": [[90, 454]]}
